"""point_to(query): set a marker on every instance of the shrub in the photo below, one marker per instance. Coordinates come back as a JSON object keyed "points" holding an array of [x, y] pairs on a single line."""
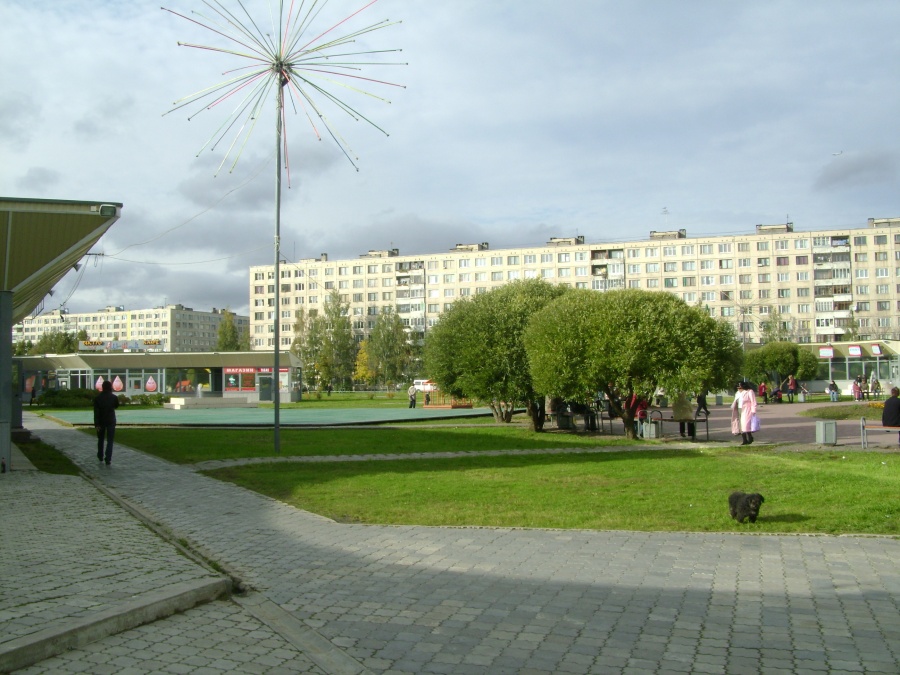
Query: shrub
{"points": [[67, 398]]}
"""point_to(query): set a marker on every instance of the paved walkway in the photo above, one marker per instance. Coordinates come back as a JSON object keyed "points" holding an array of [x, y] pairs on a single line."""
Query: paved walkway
{"points": [[330, 598]]}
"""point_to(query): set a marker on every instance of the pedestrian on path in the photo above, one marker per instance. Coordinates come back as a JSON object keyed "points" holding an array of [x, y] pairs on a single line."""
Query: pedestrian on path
{"points": [[105, 405], [743, 413], [411, 392]]}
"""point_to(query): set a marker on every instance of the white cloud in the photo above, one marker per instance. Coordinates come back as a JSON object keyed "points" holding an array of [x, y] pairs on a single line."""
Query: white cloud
{"points": [[520, 120]]}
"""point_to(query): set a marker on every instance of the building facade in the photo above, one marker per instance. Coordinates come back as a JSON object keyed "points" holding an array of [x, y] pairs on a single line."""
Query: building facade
{"points": [[175, 328], [817, 286]]}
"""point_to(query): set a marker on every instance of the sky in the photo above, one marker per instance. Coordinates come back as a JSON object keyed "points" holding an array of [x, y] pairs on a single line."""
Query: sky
{"points": [[516, 121]]}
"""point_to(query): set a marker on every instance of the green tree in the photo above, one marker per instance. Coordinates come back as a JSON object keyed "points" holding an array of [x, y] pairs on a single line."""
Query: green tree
{"points": [[477, 349], [325, 344], [82, 335], [23, 348], [228, 338], [55, 342], [388, 349], [628, 343], [776, 360], [774, 329]]}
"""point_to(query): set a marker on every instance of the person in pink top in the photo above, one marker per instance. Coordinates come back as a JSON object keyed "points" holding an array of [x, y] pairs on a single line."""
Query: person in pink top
{"points": [[743, 413]]}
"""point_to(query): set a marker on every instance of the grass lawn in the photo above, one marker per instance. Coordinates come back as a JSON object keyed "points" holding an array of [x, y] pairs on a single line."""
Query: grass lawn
{"points": [[189, 446], [685, 490], [846, 411]]}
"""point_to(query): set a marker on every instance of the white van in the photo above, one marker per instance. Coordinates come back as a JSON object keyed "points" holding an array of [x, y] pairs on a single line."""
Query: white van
{"points": [[424, 385]]}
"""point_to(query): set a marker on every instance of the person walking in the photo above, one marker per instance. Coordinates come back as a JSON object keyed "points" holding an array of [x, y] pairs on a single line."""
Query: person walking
{"points": [[763, 392], [743, 413], [411, 392], [701, 404], [105, 404], [791, 388]]}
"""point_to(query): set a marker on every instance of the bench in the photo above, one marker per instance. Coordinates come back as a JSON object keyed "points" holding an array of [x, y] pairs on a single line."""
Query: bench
{"points": [[865, 428], [699, 418]]}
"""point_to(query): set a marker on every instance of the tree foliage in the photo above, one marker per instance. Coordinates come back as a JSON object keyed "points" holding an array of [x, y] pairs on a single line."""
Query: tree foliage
{"points": [[387, 349], [362, 372], [325, 344], [228, 338], [55, 342], [628, 343], [477, 350], [774, 361]]}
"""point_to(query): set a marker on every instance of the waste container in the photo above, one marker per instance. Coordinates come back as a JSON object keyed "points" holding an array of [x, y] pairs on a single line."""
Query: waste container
{"points": [[826, 432], [718, 399], [801, 397]]}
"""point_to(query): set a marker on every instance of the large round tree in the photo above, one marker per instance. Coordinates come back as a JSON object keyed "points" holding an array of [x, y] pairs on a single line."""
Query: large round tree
{"points": [[476, 350], [628, 342]]}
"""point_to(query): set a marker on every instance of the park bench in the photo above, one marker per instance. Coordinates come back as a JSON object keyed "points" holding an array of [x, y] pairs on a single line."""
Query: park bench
{"points": [[699, 418], [866, 427]]}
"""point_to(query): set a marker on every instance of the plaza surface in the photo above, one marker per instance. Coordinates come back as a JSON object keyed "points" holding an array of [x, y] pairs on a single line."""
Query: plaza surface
{"points": [[87, 560]]}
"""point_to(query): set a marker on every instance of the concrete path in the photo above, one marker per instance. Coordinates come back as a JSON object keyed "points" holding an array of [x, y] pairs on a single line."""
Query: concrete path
{"points": [[330, 598]]}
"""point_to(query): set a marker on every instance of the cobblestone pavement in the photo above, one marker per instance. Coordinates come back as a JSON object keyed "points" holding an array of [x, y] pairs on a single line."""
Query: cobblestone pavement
{"points": [[339, 598]]}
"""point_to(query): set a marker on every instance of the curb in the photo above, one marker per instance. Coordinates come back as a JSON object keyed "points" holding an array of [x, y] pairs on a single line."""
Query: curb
{"points": [[71, 634]]}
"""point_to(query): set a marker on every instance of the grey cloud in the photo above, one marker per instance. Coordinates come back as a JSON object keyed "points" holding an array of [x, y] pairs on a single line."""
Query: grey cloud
{"points": [[847, 171]]}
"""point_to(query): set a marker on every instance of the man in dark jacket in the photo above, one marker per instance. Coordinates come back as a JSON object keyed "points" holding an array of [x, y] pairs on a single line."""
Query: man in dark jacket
{"points": [[105, 405], [890, 417]]}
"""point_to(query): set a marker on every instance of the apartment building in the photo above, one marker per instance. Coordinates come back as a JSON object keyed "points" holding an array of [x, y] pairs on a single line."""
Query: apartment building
{"points": [[174, 328], [819, 286]]}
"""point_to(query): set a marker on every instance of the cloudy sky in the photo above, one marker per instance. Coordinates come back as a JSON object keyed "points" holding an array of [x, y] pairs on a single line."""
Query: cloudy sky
{"points": [[520, 120]]}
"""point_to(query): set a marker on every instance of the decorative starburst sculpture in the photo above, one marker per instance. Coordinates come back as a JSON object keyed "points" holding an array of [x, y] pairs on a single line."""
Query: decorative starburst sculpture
{"points": [[311, 65]]}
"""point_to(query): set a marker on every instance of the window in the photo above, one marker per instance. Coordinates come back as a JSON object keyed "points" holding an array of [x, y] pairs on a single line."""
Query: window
{"points": [[562, 257], [881, 256], [784, 292], [565, 271], [634, 253], [859, 241], [480, 262], [652, 268], [496, 260], [745, 279], [783, 260], [670, 282], [708, 296], [764, 278], [724, 248], [783, 277], [687, 250], [862, 274], [764, 293], [801, 243], [883, 306], [669, 251], [706, 249], [726, 279], [688, 281], [528, 259], [670, 267], [707, 281], [652, 283], [581, 271], [580, 256], [802, 276], [762, 262], [512, 260], [513, 274], [803, 292], [880, 240], [762, 246], [743, 247], [862, 290], [547, 273], [727, 311], [449, 278], [651, 252], [634, 269], [726, 264], [781, 245], [746, 295], [496, 276], [634, 283], [546, 257], [802, 260], [860, 257], [803, 308], [882, 289], [881, 273], [744, 262], [688, 266], [689, 297]]}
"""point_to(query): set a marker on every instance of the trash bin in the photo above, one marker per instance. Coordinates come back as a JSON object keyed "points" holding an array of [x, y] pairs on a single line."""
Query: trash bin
{"points": [[650, 429], [801, 397], [826, 432], [718, 399]]}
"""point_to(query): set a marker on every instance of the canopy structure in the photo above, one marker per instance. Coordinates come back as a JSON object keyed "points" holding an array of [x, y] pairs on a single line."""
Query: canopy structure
{"points": [[40, 241]]}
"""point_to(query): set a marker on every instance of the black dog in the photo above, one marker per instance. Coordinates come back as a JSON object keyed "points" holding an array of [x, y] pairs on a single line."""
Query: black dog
{"points": [[743, 505]]}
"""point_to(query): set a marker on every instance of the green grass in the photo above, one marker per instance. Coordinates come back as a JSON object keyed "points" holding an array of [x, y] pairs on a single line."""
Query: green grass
{"points": [[189, 446], [846, 411], [47, 458], [653, 491]]}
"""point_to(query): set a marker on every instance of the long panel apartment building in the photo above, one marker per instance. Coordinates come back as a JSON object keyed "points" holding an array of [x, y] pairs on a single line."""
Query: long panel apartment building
{"points": [[820, 286], [170, 328]]}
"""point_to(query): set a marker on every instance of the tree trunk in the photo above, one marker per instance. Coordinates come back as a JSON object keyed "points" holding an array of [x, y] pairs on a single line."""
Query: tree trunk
{"points": [[537, 413]]}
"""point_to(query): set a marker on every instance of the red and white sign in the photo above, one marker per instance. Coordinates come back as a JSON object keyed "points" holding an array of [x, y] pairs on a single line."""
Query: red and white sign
{"points": [[854, 350]]}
